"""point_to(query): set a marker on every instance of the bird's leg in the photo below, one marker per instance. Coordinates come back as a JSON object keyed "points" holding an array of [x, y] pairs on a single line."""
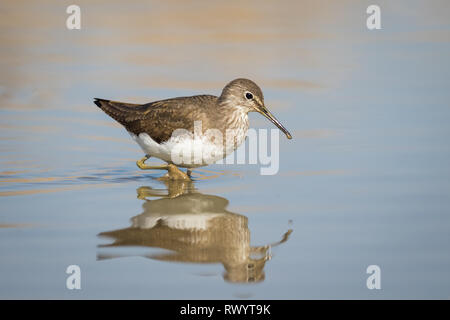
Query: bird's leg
{"points": [[173, 173], [141, 164]]}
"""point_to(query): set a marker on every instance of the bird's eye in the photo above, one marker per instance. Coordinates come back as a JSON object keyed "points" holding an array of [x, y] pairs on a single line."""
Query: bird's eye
{"points": [[248, 95]]}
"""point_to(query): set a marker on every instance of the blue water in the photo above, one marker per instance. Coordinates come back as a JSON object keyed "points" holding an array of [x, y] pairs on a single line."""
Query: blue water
{"points": [[365, 180]]}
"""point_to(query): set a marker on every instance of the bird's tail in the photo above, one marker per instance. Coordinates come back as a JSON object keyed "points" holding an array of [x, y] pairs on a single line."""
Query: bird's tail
{"points": [[121, 112]]}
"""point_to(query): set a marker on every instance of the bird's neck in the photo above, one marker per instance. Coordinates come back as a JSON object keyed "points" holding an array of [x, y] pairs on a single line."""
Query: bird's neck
{"points": [[235, 116]]}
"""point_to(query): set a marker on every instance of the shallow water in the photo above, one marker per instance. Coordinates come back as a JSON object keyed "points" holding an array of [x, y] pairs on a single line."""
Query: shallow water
{"points": [[365, 180]]}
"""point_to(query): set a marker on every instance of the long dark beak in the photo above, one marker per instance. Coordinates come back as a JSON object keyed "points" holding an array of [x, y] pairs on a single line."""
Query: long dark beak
{"points": [[266, 113]]}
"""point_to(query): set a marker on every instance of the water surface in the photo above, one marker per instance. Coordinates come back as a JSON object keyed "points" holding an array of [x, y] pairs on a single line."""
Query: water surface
{"points": [[364, 181]]}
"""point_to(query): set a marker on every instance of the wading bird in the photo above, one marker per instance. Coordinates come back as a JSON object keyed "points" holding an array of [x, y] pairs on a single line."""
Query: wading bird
{"points": [[163, 127]]}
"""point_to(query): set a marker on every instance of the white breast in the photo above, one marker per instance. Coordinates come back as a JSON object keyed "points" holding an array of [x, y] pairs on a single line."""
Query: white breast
{"points": [[186, 151], [191, 151]]}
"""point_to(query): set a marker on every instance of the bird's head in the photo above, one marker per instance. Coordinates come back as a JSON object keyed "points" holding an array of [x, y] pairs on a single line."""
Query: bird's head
{"points": [[245, 95]]}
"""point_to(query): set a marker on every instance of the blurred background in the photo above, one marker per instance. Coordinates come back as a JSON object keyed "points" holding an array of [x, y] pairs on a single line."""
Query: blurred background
{"points": [[364, 181]]}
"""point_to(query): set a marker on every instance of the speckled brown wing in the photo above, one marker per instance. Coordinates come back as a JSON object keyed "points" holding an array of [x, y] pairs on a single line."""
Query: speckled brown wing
{"points": [[160, 118]]}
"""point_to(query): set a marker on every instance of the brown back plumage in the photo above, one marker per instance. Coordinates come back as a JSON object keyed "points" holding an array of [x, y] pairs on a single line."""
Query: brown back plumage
{"points": [[160, 118]]}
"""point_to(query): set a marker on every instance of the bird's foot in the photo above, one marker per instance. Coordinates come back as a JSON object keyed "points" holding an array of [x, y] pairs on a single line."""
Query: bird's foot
{"points": [[141, 164], [173, 173]]}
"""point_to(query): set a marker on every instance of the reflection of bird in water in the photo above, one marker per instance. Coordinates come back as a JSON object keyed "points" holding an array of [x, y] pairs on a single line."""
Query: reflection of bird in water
{"points": [[196, 228]]}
